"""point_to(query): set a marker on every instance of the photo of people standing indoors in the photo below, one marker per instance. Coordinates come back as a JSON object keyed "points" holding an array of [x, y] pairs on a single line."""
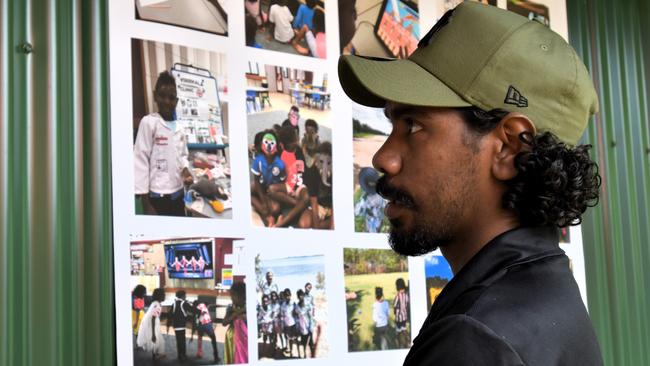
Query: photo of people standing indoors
{"points": [[292, 26], [180, 131], [188, 305], [377, 300], [290, 149], [292, 308]]}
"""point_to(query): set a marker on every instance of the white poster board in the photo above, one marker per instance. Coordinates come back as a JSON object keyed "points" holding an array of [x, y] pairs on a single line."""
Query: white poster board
{"points": [[201, 96]]}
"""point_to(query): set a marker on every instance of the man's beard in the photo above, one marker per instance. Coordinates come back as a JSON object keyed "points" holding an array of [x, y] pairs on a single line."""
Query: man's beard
{"points": [[422, 237]]}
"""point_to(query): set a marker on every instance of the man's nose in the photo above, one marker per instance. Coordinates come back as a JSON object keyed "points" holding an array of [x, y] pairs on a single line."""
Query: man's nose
{"points": [[387, 159]]}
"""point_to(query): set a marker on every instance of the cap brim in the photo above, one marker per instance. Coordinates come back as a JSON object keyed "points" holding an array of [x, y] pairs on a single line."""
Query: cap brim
{"points": [[373, 81]]}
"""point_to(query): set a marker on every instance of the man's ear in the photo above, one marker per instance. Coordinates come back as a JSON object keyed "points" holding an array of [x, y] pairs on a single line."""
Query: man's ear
{"points": [[508, 144]]}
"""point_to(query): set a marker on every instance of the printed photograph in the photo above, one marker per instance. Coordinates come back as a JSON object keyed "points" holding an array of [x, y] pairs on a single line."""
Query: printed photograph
{"points": [[379, 28], [202, 15], [370, 130], [377, 300], [180, 131], [291, 26], [531, 10], [188, 302], [565, 235], [438, 273], [442, 6], [291, 307], [290, 148]]}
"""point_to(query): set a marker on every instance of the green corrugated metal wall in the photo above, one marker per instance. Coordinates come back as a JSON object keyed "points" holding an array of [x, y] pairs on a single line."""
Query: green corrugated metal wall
{"points": [[56, 302], [613, 39]]}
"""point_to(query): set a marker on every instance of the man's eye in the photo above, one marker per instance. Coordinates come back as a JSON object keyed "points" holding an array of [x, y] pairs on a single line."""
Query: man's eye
{"points": [[412, 126]]}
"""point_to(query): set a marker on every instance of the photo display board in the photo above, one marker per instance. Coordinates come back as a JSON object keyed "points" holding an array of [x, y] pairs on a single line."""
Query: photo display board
{"points": [[247, 224]]}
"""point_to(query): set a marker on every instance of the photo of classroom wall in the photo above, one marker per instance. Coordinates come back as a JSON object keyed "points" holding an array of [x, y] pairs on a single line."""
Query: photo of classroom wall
{"points": [[181, 160], [290, 147], [438, 273], [291, 307], [370, 130], [379, 28], [291, 26], [377, 300], [189, 295], [202, 15]]}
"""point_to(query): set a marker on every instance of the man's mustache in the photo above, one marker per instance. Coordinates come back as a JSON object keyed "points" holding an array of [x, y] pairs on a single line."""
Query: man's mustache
{"points": [[394, 194]]}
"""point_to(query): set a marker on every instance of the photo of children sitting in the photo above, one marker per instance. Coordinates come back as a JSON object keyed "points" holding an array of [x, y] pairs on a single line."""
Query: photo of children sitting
{"points": [[292, 26], [291, 308], [180, 318], [290, 153]]}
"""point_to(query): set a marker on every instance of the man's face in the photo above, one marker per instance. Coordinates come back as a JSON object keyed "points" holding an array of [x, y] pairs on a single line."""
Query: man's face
{"points": [[165, 97], [307, 288], [430, 177], [269, 277]]}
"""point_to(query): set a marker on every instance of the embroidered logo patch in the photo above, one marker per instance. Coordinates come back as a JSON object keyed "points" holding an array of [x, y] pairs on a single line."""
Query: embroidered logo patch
{"points": [[514, 97]]}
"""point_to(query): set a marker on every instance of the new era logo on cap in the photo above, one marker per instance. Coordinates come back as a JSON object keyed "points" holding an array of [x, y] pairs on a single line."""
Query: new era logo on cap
{"points": [[514, 97]]}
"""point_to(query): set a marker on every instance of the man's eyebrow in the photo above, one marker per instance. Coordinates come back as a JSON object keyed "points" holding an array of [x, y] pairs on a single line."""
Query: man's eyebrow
{"points": [[400, 111]]}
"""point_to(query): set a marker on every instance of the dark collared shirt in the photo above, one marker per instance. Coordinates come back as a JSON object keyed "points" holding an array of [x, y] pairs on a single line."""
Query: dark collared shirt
{"points": [[514, 303]]}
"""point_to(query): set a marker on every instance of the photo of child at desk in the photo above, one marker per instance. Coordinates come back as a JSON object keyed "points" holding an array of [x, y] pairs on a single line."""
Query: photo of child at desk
{"points": [[290, 152], [180, 123], [292, 26], [379, 28]]}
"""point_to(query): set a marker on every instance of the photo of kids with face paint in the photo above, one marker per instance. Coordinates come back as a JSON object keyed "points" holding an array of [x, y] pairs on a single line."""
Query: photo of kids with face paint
{"points": [[290, 152]]}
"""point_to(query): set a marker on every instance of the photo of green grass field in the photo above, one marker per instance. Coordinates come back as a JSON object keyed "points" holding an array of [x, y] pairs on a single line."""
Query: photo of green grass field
{"points": [[376, 323]]}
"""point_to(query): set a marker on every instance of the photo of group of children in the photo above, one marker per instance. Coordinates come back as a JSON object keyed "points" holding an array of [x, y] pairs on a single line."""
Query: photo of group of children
{"points": [[370, 130], [379, 28], [174, 305], [290, 149], [180, 131], [203, 15], [377, 300], [291, 308], [292, 26]]}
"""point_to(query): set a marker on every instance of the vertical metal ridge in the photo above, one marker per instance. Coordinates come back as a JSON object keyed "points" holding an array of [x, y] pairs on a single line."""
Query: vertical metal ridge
{"points": [[56, 240], [616, 232], [4, 196], [100, 349]]}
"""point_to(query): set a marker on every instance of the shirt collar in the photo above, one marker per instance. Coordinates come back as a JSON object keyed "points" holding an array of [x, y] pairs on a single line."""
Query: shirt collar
{"points": [[513, 247]]}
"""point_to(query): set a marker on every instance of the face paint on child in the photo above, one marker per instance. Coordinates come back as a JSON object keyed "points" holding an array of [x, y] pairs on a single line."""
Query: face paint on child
{"points": [[324, 164], [269, 144]]}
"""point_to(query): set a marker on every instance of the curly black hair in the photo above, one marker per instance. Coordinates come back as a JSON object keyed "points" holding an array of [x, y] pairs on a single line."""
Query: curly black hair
{"points": [[555, 182]]}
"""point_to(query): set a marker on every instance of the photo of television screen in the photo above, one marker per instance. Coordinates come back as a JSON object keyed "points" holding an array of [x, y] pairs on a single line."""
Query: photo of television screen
{"points": [[190, 260], [398, 27]]}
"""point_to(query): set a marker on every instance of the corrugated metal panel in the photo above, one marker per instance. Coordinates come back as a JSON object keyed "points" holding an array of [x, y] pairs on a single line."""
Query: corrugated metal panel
{"points": [[56, 290], [610, 37]]}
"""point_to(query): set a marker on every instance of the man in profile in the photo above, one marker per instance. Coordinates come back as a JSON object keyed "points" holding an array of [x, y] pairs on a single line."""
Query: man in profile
{"points": [[483, 163]]}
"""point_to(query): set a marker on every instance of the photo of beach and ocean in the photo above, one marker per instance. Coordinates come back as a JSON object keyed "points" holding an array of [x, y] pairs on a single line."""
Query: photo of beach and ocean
{"points": [[292, 307]]}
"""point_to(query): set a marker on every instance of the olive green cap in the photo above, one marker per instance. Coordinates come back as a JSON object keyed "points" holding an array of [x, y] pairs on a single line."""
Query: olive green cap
{"points": [[487, 57]]}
